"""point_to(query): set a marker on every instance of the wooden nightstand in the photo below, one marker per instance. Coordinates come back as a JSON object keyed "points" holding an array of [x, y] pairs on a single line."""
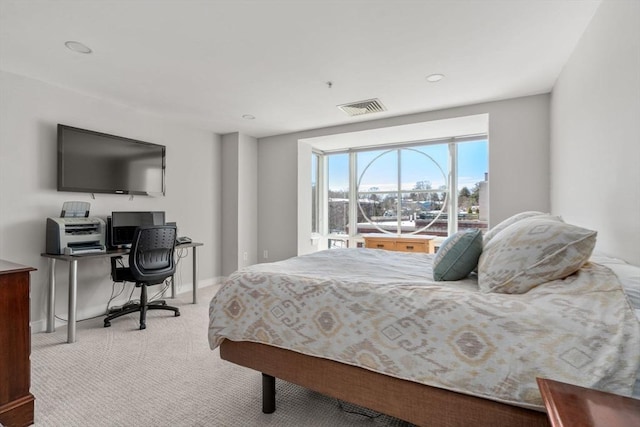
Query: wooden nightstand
{"points": [[411, 243], [570, 405]]}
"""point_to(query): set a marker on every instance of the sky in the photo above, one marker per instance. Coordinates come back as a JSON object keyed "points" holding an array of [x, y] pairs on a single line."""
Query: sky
{"points": [[430, 163]]}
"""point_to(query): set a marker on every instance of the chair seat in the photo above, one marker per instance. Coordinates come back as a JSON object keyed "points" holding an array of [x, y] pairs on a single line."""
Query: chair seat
{"points": [[122, 275], [125, 275]]}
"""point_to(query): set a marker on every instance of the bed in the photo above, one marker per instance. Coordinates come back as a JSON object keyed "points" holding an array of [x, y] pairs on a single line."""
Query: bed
{"points": [[373, 328]]}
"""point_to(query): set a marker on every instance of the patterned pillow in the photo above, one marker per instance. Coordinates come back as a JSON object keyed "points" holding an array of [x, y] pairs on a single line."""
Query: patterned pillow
{"points": [[490, 234], [531, 252], [458, 255]]}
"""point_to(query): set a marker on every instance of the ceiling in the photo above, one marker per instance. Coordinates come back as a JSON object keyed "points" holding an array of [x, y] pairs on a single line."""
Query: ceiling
{"points": [[209, 63]]}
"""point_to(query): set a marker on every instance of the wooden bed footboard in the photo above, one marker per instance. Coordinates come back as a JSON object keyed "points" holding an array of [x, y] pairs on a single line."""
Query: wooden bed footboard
{"points": [[410, 401]]}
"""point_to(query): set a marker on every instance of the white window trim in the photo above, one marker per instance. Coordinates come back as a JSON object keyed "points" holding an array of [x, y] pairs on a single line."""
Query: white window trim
{"points": [[323, 208]]}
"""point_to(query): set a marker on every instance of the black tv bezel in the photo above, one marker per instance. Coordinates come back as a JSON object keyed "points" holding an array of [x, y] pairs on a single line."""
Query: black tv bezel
{"points": [[61, 187]]}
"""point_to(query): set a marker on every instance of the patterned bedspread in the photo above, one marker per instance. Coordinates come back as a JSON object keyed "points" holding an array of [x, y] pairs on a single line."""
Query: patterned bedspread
{"points": [[382, 311]]}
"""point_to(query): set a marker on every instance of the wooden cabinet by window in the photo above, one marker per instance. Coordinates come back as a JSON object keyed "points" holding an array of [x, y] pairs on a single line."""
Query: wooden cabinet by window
{"points": [[409, 243], [16, 402]]}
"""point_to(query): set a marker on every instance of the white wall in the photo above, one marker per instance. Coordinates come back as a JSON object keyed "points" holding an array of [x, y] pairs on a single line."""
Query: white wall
{"points": [[304, 242], [229, 205], [248, 209], [277, 197], [595, 131], [518, 169], [239, 202], [29, 113]]}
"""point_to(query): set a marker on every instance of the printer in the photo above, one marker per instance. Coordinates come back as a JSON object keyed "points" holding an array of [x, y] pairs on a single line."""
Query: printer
{"points": [[73, 235]]}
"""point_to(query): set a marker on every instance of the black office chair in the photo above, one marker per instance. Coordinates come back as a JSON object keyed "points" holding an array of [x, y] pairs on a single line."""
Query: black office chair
{"points": [[151, 262]]}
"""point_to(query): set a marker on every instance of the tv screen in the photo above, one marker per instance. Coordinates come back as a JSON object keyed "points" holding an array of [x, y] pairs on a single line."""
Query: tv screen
{"points": [[94, 162]]}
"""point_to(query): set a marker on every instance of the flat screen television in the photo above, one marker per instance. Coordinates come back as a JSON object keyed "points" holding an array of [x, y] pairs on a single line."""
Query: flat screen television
{"points": [[94, 162]]}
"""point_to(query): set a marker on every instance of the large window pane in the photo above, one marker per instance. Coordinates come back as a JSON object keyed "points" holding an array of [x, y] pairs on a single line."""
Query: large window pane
{"points": [[473, 185], [402, 186], [406, 190], [378, 175], [425, 165], [338, 182], [425, 175]]}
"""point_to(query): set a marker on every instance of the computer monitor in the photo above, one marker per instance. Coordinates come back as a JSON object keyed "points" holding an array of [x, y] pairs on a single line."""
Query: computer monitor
{"points": [[122, 225]]}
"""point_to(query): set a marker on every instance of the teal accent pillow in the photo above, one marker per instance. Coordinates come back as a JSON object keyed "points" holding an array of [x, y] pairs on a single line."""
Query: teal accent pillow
{"points": [[458, 255]]}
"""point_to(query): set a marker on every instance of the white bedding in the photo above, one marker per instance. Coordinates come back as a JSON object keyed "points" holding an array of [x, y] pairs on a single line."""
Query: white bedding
{"points": [[629, 276], [382, 311]]}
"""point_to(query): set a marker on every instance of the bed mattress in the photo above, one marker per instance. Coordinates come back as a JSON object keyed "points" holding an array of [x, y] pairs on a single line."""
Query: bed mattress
{"points": [[382, 311]]}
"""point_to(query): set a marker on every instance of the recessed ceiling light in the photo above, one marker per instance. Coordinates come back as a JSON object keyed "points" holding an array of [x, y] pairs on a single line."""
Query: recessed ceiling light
{"points": [[435, 78], [77, 47], [248, 117]]}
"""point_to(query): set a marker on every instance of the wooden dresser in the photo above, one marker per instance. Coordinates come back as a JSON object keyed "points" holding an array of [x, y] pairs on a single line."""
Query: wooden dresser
{"points": [[408, 243], [16, 401]]}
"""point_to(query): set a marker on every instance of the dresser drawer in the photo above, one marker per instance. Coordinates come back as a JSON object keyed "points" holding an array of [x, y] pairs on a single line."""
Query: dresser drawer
{"points": [[418, 244], [411, 246], [387, 244]]}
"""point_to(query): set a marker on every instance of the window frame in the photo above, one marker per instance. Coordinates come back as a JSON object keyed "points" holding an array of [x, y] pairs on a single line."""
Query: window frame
{"points": [[452, 181]]}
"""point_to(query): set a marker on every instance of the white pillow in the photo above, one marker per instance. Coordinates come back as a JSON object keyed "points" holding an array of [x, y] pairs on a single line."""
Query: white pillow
{"points": [[531, 252], [490, 234]]}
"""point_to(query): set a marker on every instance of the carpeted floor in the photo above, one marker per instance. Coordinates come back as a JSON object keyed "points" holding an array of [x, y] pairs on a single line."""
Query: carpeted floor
{"points": [[165, 375]]}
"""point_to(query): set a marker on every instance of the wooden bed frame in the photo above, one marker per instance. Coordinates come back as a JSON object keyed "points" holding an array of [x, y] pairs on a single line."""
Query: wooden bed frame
{"points": [[410, 401]]}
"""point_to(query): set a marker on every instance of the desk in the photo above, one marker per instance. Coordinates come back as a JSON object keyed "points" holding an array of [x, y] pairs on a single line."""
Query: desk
{"points": [[73, 283]]}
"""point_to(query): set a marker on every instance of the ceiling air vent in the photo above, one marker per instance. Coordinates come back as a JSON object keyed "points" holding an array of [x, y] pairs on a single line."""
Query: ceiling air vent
{"points": [[362, 107]]}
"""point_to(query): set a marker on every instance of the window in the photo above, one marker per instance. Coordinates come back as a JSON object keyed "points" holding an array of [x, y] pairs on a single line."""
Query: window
{"points": [[433, 188], [473, 185], [400, 188], [338, 193]]}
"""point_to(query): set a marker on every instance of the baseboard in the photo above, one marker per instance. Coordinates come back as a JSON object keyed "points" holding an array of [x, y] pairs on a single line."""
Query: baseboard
{"points": [[18, 412]]}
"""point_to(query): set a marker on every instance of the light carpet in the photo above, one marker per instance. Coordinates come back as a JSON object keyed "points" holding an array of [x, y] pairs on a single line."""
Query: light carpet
{"points": [[165, 375]]}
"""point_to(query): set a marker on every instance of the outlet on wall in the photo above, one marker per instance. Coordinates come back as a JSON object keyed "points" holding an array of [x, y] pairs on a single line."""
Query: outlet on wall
{"points": [[265, 254], [245, 256]]}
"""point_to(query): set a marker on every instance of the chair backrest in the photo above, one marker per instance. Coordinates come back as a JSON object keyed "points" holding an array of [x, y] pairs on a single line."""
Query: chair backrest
{"points": [[151, 257]]}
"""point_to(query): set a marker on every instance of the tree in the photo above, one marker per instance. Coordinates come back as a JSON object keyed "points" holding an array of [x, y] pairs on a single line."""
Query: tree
{"points": [[464, 198], [423, 185], [475, 194]]}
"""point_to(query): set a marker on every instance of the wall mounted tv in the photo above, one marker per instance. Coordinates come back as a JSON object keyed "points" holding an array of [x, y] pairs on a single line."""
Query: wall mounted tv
{"points": [[94, 162]]}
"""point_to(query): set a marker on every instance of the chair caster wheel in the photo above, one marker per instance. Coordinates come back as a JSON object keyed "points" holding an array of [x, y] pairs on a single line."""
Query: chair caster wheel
{"points": [[143, 327], [107, 324], [177, 314]]}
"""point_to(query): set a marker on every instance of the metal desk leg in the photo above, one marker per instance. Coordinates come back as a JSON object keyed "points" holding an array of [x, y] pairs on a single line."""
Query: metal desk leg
{"points": [[73, 293], [195, 275], [173, 286], [51, 321]]}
